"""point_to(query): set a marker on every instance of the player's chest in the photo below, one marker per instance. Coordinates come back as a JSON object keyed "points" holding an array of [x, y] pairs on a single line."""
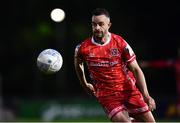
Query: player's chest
{"points": [[102, 52]]}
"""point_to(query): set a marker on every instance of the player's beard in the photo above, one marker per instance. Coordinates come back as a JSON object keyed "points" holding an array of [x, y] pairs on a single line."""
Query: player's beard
{"points": [[98, 35]]}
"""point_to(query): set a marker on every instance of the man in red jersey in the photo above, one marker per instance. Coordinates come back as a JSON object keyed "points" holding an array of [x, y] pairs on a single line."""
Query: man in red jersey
{"points": [[114, 73]]}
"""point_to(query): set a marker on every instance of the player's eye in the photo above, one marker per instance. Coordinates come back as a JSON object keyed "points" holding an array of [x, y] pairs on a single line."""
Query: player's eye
{"points": [[93, 24], [101, 24]]}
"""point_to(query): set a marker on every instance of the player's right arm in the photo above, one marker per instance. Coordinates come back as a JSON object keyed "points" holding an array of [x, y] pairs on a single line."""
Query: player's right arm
{"points": [[79, 67]]}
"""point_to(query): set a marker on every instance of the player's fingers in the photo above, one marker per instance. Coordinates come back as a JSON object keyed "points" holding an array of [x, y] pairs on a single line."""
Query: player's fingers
{"points": [[152, 104], [91, 91]]}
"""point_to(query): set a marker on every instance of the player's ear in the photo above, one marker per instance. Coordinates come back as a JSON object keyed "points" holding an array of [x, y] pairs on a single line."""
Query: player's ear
{"points": [[109, 24]]}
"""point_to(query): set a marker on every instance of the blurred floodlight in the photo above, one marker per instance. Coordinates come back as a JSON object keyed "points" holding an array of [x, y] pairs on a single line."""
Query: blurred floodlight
{"points": [[57, 15]]}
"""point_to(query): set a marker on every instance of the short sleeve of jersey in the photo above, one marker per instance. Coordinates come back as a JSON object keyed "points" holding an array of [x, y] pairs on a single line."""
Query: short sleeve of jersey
{"points": [[128, 53], [77, 53]]}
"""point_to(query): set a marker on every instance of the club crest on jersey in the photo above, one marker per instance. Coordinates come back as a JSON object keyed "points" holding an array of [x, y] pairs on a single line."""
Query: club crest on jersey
{"points": [[114, 52]]}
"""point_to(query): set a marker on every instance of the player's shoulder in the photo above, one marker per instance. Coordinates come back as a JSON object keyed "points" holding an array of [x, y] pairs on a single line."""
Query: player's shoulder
{"points": [[117, 37], [84, 43]]}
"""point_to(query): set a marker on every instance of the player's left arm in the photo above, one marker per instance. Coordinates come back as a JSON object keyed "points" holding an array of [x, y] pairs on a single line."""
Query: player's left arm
{"points": [[141, 83], [130, 58]]}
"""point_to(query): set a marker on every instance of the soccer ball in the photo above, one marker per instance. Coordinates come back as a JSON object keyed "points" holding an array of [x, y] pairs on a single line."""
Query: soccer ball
{"points": [[49, 61]]}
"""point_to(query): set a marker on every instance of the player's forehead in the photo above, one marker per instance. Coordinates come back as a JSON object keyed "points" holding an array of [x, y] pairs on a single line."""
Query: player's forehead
{"points": [[100, 18]]}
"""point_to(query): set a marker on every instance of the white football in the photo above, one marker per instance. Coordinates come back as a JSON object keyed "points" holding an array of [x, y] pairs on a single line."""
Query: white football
{"points": [[49, 61]]}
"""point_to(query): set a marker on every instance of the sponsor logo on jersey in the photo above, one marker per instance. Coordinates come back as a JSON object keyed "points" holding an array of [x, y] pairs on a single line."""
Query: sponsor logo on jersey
{"points": [[103, 63]]}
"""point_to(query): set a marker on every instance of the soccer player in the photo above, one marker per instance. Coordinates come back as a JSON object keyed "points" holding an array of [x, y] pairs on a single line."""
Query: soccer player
{"points": [[114, 73]]}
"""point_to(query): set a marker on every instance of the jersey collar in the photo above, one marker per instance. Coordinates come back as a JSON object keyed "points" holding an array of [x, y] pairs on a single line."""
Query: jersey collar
{"points": [[92, 40]]}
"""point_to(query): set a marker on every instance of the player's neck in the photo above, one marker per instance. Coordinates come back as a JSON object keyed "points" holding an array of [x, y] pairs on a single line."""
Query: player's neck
{"points": [[102, 40]]}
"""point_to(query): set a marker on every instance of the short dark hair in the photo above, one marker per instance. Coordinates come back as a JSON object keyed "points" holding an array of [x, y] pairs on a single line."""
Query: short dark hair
{"points": [[100, 11]]}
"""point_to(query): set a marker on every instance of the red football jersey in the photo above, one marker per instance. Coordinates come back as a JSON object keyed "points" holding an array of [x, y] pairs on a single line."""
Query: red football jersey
{"points": [[107, 64]]}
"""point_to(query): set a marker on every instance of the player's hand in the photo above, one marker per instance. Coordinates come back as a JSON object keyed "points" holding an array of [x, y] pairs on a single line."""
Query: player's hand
{"points": [[151, 103], [89, 88]]}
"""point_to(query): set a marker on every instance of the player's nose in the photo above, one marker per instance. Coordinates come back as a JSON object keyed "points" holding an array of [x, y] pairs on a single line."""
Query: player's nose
{"points": [[97, 27]]}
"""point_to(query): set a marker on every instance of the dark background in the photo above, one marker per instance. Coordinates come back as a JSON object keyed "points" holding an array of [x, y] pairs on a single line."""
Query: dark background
{"points": [[150, 27]]}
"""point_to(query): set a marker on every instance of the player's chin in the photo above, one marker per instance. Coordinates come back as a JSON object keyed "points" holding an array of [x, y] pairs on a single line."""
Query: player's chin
{"points": [[98, 35]]}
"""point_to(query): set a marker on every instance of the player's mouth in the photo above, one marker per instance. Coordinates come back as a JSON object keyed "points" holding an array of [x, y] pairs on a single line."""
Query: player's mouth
{"points": [[98, 34]]}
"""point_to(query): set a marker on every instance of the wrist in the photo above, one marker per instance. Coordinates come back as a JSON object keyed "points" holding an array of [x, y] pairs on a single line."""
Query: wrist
{"points": [[84, 84], [147, 96]]}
